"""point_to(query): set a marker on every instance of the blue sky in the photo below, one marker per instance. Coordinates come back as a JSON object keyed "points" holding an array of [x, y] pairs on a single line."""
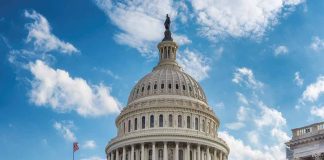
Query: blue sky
{"points": [[67, 67]]}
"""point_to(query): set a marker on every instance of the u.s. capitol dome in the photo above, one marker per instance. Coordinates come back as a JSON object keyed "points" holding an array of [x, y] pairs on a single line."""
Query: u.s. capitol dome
{"points": [[167, 116]]}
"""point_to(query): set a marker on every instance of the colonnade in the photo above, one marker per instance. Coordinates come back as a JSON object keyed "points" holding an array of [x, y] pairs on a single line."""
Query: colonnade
{"points": [[166, 151]]}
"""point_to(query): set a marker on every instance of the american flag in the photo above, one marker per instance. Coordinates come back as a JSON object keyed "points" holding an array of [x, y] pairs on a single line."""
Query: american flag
{"points": [[75, 146]]}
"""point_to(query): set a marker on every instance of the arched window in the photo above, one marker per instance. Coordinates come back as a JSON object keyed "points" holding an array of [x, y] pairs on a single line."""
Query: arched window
{"points": [[196, 123], [143, 122], [150, 154], [155, 86], [143, 89], [170, 85], [161, 120], [135, 125], [208, 127], [203, 126], [152, 121], [181, 154], [148, 87], [183, 87], [177, 86], [170, 120], [160, 156], [129, 125], [179, 121], [188, 121]]}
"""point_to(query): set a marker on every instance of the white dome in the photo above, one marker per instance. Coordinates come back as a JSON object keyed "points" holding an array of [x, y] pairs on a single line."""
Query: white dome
{"points": [[167, 116], [167, 80]]}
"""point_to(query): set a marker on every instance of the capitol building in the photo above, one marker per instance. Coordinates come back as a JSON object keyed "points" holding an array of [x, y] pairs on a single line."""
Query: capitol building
{"points": [[167, 116]]}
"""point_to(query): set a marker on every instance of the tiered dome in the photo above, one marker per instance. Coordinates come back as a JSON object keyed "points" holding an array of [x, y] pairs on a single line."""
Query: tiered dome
{"points": [[167, 116]]}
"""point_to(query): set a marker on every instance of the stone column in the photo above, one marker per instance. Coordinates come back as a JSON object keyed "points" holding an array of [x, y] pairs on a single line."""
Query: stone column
{"points": [[198, 152], [165, 151], [132, 153], [138, 154], [177, 151], [112, 155], [117, 154], [124, 153], [208, 153], [142, 154], [195, 154], [215, 154], [188, 151], [220, 155], [108, 156], [153, 151]]}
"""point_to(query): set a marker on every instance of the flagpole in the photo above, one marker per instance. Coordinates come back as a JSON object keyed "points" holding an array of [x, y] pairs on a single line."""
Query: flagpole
{"points": [[73, 154]]}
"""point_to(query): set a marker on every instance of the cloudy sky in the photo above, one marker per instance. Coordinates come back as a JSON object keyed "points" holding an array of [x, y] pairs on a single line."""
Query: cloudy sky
{"points": [[67, 67]]}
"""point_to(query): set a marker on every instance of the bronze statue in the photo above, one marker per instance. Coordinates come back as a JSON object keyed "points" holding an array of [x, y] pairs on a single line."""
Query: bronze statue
{"points": [[167, 22], [167, 32]]}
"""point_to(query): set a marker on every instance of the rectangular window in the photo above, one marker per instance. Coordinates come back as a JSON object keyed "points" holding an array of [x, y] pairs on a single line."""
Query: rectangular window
{"points": [[143, 122], [135, 125]]}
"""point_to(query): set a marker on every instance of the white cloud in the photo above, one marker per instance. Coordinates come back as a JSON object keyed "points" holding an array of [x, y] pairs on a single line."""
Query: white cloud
{"points": [[181, 39], [93, 158], [194, 64], [39, 32], [239, 18], [317, 111], [65, 129], [141, 22], [281, 50], [245, 75], [108, 72], [269, 117], [314, 90], [280, 135], [241, 116], [235, 125], [298, 79], [55, 88], [317, 44], [90, 144], [253, 137], [263, 125], [241, 151], [242, 99]]}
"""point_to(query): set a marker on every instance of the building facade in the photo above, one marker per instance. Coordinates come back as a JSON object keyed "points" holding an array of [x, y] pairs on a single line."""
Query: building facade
{"points": [[167, 116], [307, 143]]}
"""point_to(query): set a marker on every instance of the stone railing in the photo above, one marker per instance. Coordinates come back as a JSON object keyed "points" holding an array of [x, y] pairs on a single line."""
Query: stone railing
{"points": [[308, 130]]}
